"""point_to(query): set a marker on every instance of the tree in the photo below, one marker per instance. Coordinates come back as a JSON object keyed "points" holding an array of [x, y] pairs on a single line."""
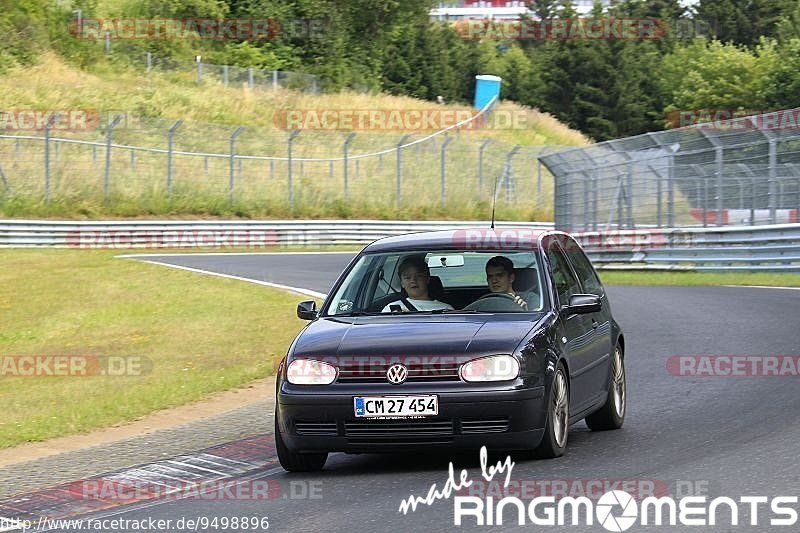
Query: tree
{"points": [[782, 85], [716, 75], [743, 21]]}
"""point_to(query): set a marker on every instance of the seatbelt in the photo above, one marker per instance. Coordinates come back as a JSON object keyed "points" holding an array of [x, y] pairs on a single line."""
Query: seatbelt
{"points": [[408, 305]]}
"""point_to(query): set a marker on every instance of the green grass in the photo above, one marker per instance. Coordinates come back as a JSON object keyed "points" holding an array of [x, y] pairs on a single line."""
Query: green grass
{"points": [[200, 334], [153, 101], [767, 279]]}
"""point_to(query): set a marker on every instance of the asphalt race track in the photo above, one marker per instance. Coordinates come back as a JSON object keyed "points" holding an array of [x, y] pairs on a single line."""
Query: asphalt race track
{"points": [[711, 435]]}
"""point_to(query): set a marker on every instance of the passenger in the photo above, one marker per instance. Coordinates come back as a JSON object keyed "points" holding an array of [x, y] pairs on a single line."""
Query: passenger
{"points": [[414, 278], [500, 278]]}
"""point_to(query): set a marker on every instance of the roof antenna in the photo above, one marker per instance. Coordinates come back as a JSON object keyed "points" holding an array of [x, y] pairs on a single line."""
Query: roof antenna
{"points": [[494, 196], [497, 181]]}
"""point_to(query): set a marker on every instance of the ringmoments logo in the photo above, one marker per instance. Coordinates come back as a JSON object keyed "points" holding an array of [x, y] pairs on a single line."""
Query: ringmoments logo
{"points": [[615, 510], [618, 511]]}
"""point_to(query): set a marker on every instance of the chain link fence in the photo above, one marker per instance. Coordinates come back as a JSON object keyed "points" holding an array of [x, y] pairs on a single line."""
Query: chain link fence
{"points": [[229, 75], [146, 160], [742, 171]]}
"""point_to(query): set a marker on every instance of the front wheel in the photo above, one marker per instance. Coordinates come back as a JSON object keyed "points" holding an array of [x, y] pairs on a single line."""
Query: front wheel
{"points": [[612, 414], [292, 461], [554, 441]]}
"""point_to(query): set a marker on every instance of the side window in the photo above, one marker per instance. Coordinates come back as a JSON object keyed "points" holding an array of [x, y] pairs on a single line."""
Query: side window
{"points": [[566, 284], [583, 268]]}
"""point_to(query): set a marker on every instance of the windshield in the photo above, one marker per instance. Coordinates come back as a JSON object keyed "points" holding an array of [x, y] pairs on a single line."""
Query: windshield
{"points": [[440, 282]]}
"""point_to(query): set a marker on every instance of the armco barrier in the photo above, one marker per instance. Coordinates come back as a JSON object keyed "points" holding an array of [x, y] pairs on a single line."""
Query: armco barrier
{"points": [[218, 234], [766, 248]]}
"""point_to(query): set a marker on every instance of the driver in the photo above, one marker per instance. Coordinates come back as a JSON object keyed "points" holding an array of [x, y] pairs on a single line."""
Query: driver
{"points": [[500, 278], [414, 277]]}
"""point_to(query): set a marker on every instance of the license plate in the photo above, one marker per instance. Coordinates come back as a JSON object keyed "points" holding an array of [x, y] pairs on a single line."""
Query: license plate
{"points": [[395, 406]]}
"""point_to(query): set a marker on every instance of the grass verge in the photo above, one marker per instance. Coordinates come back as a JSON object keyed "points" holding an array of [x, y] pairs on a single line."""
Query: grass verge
{"points": [[193, 335], [766, 279]]}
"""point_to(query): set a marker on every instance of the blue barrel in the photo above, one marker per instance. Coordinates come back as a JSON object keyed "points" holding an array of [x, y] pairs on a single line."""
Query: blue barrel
{"points": [[486, 88]]}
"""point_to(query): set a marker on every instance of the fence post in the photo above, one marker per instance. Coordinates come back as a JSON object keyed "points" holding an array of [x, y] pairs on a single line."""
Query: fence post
{"points": [[170, 138], [398, 193], [595, 197], [50, 122], [250, 77], [225, 75], [509, 176], [108, 42], [199, 70], [274, 79], [107, 175], [629, 198], [481, 148], [671, 191], [719, 162], [232, 168], [5, 181], [149, 59], [447, 141], [292, 136], [773, 171], [133, 159], [347, 142]]}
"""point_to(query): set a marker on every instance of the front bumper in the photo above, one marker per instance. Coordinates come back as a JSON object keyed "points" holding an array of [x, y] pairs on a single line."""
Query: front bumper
{"points": [[322, 419]]}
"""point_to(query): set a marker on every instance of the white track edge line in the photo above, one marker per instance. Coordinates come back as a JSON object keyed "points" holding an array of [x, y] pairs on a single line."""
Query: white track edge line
{"points": [[298, 290]]}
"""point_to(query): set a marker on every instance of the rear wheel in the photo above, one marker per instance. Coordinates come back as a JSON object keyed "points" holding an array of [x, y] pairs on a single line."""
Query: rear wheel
{"points": [[297, 462], [554, 441], [612, 414]]}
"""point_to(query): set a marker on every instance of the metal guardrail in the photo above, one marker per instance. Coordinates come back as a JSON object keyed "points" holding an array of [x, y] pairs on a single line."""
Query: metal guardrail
{"points": [[218, 234], [761, 248]]}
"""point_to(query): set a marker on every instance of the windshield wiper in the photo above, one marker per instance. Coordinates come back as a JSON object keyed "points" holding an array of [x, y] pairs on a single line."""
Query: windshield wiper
{"points": [[453, 311]]}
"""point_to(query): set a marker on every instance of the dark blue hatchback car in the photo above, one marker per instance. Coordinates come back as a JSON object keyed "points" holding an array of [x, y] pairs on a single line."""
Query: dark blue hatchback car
{"points": [[453, 339]]}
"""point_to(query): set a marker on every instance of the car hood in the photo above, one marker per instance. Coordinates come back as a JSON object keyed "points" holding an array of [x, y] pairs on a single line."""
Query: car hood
{"points": [[396, 337]]}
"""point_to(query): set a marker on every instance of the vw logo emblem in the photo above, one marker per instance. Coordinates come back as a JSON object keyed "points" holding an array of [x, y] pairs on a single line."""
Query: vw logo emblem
{"points": [[397, 374]]}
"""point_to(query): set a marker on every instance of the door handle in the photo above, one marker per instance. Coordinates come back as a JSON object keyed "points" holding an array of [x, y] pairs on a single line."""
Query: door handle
{"points": [[594, 324]]}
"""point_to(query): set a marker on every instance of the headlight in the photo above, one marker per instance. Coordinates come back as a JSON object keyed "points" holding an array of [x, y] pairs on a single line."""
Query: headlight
{"points": [[310, 372], [493, 368]]}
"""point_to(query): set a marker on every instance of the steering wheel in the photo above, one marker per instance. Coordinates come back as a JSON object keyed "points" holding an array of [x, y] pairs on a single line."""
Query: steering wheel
{"points": [[505, 301], [497, 295]]}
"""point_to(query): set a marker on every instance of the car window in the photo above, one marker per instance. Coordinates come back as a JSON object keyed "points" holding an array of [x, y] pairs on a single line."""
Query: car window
{"points": [[565, 281], [457, 280], [583, 268]]}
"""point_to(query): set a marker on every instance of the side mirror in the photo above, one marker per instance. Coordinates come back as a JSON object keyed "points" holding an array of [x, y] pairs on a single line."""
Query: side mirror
{"points": [[580, 304], [307, 310]]}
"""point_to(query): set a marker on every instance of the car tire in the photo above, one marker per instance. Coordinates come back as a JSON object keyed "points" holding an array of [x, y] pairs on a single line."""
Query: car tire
{"points": [[292, 461], [554, 441], [612, 414]]}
